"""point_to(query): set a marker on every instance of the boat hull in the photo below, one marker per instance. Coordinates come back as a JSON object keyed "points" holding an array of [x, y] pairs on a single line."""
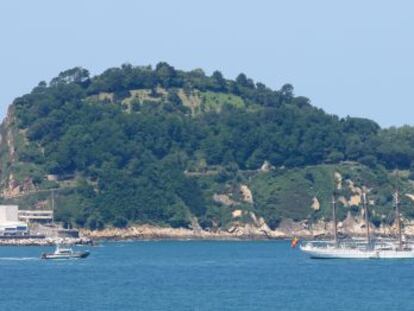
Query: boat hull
{"points": [[343, 253], [79, 255]]}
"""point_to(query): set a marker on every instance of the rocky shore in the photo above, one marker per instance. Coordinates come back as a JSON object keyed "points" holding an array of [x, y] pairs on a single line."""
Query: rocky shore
{"points": [[44, 241], [257, 230], [351, 226], [148, 232]]}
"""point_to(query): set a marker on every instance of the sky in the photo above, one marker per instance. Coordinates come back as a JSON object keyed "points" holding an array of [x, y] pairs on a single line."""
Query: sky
{"points": [[349, 57]]}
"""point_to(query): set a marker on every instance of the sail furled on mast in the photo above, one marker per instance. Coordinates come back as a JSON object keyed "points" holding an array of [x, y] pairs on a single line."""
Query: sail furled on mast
{"points": [[334, 227], [398, 218], [365, 206]]}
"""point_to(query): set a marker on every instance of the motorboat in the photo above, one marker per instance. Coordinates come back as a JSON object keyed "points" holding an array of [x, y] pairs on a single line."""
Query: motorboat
{"points": [[65, 252]]}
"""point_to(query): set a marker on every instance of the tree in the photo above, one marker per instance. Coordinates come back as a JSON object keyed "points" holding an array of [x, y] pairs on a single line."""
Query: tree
{"points": [[243, 81], [166, 74], [74, 75], [219, 83], [286, 93]]}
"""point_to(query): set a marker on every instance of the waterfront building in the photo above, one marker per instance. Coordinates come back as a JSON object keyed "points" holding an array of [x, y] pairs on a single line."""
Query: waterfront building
{"points": [[9, 222], [36, 216]]}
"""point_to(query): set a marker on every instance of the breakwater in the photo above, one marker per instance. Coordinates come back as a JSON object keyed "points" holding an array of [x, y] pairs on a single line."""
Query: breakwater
{"points": [[39, 241]]}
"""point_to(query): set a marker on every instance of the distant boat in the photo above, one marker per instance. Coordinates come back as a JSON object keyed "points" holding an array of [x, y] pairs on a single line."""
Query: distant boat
{"points": [[65, 252], [360, 249]]}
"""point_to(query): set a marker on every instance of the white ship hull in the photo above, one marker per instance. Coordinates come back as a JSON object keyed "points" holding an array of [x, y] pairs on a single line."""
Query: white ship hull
{"points": [[356, 253]]}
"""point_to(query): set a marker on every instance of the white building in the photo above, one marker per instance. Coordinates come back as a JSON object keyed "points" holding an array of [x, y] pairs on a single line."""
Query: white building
{"points": [[13, 228], [9, 222], [8, 213], [39, 216]]}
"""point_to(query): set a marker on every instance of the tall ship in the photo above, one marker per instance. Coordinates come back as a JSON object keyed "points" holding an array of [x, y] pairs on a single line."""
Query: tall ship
{"points": [[367, 248]]}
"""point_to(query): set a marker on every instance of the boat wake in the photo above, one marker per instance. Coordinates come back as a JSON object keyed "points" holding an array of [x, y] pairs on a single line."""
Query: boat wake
{"points": [[18, 258]]}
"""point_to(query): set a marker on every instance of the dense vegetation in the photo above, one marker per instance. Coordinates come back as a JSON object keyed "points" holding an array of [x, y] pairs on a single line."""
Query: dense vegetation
{"points": [[137, 139]]}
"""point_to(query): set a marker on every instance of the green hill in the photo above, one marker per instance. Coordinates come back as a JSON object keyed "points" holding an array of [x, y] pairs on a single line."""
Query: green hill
{"points": [[168, 147]]}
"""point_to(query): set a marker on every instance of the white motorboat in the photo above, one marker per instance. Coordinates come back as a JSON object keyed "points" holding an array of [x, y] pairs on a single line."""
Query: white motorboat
{"points": [[65, 252], [358, 249]]}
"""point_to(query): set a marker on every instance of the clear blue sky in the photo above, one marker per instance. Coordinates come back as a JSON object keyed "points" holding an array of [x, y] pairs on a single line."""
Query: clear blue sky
{"points": [[349, 57]]}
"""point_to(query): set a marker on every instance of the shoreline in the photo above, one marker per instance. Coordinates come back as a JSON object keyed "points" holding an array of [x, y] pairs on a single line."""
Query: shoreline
{"points": [[92, 242], [149, 232], [21, 241], [189, 238], [286, 230], [244, 232]]}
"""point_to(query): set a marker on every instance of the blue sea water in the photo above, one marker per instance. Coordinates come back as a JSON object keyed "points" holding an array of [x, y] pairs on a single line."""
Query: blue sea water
{"points": [[201, 275]]}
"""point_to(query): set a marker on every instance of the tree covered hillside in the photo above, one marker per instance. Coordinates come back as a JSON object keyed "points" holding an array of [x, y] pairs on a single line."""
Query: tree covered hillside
{"points": [[157, 145]]}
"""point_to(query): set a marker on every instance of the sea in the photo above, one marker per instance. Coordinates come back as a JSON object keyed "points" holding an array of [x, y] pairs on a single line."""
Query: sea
{"points": [[201, 275]]}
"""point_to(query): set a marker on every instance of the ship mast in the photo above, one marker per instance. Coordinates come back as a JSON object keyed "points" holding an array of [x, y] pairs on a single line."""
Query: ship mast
{"points": [[53, 199], [364, 202], [398, 219], [335, 229]]}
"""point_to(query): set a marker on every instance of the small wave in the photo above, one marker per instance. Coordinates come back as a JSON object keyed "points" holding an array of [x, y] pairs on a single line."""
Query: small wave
{"points": [[18, 258]]}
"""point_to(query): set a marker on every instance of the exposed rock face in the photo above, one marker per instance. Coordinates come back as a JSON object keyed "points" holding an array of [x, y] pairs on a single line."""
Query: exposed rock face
{"points": [[224, 199], [9, 136], [191, 100], [103, 96], [227, 200], [266, 167], [11, 185], [355, 200], [237, 213], [236, 231], [152, 232], [14, 188], [28, 184], [355, 226], [52, 177], [343, 200], [315, 204], [410, 196], [338, 180], [353, 188], [246, 194], [256, 230]]}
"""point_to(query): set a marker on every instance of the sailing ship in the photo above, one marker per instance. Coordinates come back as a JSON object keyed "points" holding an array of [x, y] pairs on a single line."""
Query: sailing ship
{"points": [[361, 249]]}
